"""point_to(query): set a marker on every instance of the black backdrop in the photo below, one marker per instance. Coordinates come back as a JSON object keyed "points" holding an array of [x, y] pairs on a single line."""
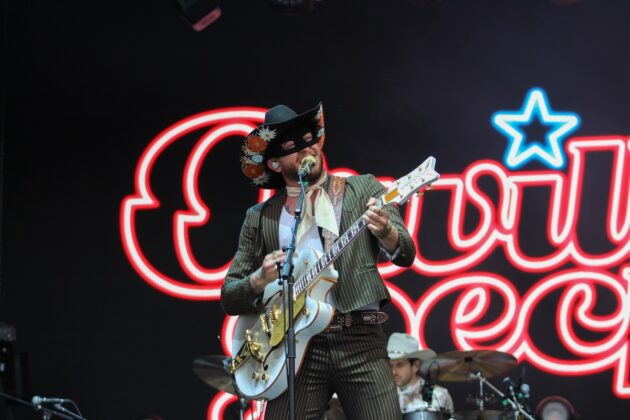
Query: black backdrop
{"points": [[89, 85]]}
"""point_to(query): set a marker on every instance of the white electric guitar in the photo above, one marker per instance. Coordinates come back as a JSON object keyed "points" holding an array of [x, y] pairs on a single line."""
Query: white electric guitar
{"points": [[258, 348]]}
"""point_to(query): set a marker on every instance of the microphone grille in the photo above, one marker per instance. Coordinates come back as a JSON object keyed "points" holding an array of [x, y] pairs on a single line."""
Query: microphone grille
{"points": [[308, 160]]}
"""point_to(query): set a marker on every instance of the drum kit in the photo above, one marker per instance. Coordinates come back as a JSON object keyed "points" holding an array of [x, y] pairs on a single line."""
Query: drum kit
{"points": [[455, 366], [475, 366]]}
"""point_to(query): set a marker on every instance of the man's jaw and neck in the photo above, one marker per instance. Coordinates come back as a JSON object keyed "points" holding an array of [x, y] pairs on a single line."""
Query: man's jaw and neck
{"points": [[289, 167], [411, 382], [405, 373]]}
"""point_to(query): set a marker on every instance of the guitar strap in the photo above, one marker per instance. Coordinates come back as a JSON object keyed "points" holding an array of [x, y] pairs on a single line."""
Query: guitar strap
{"points": [[336, 188]]}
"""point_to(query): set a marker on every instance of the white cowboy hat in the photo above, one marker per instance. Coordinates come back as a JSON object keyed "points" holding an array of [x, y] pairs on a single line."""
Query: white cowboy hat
{"points": [[404, 346]]}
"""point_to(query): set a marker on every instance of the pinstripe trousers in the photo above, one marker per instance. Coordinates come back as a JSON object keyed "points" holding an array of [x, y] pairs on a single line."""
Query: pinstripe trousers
{"points": [[353, 363]]}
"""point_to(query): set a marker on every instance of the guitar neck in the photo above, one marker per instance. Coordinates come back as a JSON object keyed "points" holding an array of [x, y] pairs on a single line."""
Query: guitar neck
{"points": [[333, 253]]}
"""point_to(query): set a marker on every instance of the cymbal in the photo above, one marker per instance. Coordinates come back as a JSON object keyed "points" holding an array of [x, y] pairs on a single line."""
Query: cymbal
{"points": [[457, 366], [213, 370]]}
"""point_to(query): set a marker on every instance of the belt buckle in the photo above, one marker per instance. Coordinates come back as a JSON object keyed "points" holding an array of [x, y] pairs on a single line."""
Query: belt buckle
{"points": [[347, 320]]}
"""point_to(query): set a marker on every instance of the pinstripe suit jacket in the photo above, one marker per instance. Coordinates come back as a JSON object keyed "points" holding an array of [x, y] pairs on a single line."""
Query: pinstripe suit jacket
{"points": [[359, 282]]}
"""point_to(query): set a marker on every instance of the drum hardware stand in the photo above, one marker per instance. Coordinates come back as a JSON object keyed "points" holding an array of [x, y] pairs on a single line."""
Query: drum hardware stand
{"points": [[515, 405], [243, 403], [487, 399], [242, 407], [287, 277]]}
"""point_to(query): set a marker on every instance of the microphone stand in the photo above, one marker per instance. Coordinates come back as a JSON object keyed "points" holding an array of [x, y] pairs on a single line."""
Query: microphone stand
{"points": [[61, 408], [515, 405], [46, 412], [287, 277]]}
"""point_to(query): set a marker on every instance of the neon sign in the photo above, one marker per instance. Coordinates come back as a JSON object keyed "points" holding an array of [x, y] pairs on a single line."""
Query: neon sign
{"points": [[565, 269], [536, 106]]}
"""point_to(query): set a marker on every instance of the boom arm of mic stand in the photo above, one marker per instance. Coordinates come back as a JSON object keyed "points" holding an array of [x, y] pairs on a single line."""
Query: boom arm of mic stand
{"points": [[287, 277], [36, 407], [484, 381]]}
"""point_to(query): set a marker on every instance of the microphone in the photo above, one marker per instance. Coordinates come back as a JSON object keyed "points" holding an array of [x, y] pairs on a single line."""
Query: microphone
{"points": [[427, 392], [37, 400], [527, 403], [306, 165], [510, 386], [427, 389]]}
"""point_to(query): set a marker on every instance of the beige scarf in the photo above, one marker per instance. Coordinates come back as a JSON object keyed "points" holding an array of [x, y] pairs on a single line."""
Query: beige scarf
{"points": [[320, 209]]}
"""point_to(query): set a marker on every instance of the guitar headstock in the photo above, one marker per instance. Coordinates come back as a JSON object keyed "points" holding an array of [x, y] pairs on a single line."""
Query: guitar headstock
{"points": [[404, 187]]}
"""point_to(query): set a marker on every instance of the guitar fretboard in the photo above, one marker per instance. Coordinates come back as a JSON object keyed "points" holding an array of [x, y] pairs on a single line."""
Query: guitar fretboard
{"points": [[331, 255]]}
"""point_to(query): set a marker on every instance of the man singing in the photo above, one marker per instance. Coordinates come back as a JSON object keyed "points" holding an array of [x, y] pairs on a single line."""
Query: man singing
{"points": [[350, 356]]}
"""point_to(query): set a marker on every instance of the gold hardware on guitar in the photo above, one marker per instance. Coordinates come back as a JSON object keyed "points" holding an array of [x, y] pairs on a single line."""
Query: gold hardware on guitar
{"points": [[263, 322], [254, 346], [239, 359], [428, 188], [275, 313]]}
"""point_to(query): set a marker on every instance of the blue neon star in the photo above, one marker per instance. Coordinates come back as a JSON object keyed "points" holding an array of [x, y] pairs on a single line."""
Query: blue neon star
{"points": [[519, 150]]}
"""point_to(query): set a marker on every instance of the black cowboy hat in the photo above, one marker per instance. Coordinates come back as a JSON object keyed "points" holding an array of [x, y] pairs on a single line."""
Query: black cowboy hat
{"points": [[263, 143]]}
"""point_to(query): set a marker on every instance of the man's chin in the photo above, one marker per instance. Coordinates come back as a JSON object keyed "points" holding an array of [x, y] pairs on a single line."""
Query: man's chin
{"points": [[315, 174]]}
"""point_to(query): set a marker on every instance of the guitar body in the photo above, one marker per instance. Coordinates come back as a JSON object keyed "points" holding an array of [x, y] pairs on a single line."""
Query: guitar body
{"points": [[264, 377]]}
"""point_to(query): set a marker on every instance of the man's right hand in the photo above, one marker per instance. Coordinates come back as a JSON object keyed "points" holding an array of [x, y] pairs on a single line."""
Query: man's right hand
{"points": [[268, 271]]}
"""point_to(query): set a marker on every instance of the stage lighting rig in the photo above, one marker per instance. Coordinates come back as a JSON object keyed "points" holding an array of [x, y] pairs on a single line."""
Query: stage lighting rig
{"points": [[293, 7], [565, 2], [199, 13], [424, 2]]}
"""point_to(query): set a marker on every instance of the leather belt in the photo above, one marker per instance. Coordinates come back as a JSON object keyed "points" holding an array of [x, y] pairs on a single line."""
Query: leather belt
{"points": [[341, 320]]}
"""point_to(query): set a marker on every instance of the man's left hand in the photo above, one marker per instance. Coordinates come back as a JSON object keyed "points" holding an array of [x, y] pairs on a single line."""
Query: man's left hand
{"points": [[378, 224], [378, 220]]}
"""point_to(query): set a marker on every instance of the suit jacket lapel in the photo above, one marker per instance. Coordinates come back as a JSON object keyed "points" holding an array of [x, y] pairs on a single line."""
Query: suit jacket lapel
{"points": [[271, 218]]}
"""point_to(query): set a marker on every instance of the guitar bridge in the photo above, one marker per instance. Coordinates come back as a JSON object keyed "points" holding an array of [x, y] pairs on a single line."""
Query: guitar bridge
{"points": [[239, 359]]}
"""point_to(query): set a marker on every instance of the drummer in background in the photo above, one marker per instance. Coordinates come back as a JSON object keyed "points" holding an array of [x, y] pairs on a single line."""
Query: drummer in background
{"points": [[405, 360]]}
